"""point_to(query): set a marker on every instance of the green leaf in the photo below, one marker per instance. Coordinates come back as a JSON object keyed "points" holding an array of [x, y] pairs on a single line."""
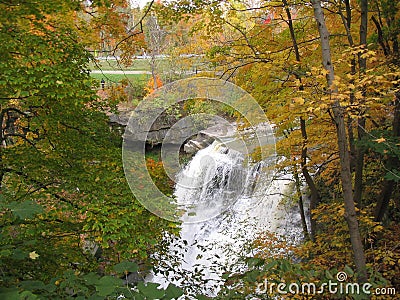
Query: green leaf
{"points": [[286, 266], [393, 175], [27, 295], [25, 210], [32, 285], [125, 267], [5, 253], [139, 297], [18, 254], [172, 292], [91, 278], [150, 290], [270, 265], [9, 294], [328, 275], [348, 270], [254, 262], [252, 275], [96, 297], [107, 285], [226, 275], [202, 297], [51, 287]]}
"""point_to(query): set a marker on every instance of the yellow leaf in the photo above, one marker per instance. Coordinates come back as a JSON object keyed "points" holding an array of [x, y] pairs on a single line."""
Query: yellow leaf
{"points": [[13, 102], [378, 228], [31, 136], [299, 100], [380, 140], [324, 72], [33, 255], [358, 95]]}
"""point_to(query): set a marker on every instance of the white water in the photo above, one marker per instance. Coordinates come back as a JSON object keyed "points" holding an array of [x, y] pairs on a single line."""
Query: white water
{"points": [[210, 183], [227, 203]]}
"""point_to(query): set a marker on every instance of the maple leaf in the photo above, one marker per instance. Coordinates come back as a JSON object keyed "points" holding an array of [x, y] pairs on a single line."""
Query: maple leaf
{"points": [[33, 255]]}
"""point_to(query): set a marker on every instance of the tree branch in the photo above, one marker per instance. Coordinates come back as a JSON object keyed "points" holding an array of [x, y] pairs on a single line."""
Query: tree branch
{"points": [[380, 35], [43, 186], [140, 23]]}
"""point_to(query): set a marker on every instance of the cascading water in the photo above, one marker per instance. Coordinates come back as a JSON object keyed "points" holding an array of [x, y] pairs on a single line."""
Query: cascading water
{"points": [[225, 209], [221, 199], [210, 182]]}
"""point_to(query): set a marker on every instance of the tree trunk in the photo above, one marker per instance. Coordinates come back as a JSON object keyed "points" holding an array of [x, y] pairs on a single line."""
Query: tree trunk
{"points": [[303, 161], [338, 112], [347, 25], [359, 164], [392, 55], [301, 203], [362, 62], [392, 163], [309, 180]]}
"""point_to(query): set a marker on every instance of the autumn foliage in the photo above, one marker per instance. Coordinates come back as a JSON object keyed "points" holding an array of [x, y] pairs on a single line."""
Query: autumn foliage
{"points": [[152, 84]]}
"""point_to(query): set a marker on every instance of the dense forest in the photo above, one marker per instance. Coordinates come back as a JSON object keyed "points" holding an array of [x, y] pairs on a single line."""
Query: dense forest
{"points": [[326, 75]]}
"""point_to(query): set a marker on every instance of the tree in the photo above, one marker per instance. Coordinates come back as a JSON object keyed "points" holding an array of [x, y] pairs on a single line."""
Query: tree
{"points": [[386, 22], [315, 197], [345, 171], [62, 183], [156, 43]]}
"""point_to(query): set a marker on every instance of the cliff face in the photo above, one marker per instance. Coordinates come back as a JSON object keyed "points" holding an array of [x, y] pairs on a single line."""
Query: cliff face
{"points": [[194, 132]]}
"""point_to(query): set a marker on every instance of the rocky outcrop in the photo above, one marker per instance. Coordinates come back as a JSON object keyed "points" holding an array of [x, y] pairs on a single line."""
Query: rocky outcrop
{"points": [[121, 118], [193, 132], [205, 137], [135, 131], [164, 129], [197, 143]]}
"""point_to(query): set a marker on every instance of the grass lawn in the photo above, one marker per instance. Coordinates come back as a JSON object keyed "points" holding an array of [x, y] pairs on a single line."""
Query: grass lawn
{"points": [[137, 65], [115, 78], [162, 64]]}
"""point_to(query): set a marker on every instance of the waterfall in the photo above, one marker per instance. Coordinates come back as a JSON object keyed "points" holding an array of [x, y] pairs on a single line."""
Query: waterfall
{"points": [[210, 183], [227, 201]]}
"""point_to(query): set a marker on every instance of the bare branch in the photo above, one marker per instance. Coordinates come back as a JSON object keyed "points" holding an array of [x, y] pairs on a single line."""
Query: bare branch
{"points": [[140, 23], [380, 35], [234, 69]]}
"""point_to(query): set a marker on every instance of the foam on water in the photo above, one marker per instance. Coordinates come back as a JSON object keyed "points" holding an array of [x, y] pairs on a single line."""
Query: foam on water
{"points": [[234, 201]]}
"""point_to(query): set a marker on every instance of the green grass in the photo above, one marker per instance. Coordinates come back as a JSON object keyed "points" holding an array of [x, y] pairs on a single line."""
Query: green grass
{"points": [[144, 64], [137, 65], [115, 78], [163, 66]]}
